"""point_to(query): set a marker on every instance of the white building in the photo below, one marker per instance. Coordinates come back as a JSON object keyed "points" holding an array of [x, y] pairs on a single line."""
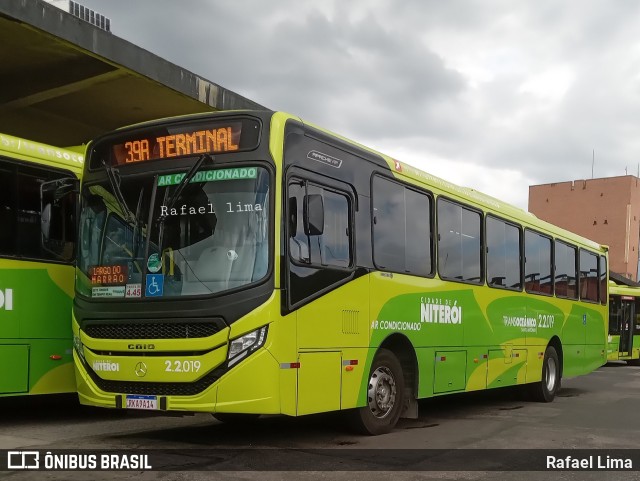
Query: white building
{"points": [[86, 14]]}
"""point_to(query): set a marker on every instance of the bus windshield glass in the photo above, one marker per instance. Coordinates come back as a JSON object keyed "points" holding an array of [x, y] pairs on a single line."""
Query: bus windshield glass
{"points": [[139, 239]]}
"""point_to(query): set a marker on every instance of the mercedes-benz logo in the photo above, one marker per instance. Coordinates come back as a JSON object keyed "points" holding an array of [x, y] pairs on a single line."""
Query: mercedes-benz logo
{"points": [[141, 369]]}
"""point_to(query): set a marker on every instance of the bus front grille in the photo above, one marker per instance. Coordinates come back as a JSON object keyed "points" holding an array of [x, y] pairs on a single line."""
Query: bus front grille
{"points": [[158, 388], [158, 330]]}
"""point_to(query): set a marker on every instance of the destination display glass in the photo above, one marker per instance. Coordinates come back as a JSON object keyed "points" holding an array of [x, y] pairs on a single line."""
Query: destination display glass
{"points": [[178, 140]]}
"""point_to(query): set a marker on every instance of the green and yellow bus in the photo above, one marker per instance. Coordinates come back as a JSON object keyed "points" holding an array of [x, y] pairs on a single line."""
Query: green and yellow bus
{"points": [[624, 324], [248, 263], [38, 209]]}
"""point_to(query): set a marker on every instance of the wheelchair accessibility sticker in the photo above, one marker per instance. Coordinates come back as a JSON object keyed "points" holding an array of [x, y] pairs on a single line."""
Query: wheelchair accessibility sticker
{"points": [[155, 285]]}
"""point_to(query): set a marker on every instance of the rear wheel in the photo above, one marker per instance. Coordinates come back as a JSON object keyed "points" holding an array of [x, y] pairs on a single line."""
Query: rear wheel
{"points": [[545, 390], [633, 362], [385, 392]]}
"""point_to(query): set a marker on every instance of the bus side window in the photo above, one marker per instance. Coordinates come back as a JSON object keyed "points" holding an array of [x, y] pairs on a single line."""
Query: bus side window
{"points": [[21, 216], [402, 240], [503, 254], [459, 242], [326, 245], [58, 213], [566, 267], [8, 213], [588, 276], [537, 263], [602, 266]]}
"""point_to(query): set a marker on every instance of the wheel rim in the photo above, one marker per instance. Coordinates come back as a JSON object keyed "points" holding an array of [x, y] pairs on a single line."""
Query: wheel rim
{"points": [[382, 392], [551, 374]]}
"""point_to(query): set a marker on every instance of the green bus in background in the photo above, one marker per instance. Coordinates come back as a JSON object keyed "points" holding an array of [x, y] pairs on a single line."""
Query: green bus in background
{"points": [[38, 205], [247, 263], [624, 324]]}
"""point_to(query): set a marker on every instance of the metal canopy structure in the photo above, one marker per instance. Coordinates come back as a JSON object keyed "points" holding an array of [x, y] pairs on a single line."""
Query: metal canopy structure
{"points": [[64, 81]]}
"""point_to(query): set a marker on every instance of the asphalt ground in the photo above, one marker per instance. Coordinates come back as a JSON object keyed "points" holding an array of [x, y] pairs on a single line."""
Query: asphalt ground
{"points": [[475, 436]]}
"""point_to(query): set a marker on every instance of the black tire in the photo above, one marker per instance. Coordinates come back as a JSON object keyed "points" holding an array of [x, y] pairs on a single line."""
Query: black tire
{"points": [[236, 418], [633, 362], [545, 390], [385, 396]]}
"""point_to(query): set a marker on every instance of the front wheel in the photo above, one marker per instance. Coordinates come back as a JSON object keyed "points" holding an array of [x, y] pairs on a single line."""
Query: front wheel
{"points": [[385, 392], [545, 390]]}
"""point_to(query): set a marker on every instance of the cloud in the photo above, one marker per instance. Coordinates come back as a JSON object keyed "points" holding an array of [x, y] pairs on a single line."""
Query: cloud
{"points": [[518, 92]]}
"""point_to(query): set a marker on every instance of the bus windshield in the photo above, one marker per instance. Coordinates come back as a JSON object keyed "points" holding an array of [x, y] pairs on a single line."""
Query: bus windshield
{"points": [[139, 239]]}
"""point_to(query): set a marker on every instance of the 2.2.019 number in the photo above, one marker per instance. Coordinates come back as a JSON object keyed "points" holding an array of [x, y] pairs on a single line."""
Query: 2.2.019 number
{"points": [[182, 366], [546, 321]]}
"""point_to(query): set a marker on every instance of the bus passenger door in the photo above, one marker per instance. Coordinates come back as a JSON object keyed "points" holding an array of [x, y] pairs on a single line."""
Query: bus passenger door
{"points": [[615, 316], [330, 301], [627, 322], [634, 343]]}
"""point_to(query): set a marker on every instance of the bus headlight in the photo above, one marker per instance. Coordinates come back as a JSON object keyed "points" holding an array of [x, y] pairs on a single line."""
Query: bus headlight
{"points": [[79, 347], [243, 346]]}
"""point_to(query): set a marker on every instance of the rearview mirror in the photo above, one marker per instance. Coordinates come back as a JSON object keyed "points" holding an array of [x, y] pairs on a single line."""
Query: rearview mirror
{"points": [[313, 214]]}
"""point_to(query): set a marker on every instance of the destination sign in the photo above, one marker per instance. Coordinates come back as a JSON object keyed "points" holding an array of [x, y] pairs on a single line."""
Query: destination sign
{"points": [[179, 139], [206, 141], [108, 275]]}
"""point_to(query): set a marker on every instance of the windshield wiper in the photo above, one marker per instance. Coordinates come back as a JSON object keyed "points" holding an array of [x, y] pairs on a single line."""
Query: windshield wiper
{"points": [[186, 179], [176, 193], [114, 180], [137, 235]]}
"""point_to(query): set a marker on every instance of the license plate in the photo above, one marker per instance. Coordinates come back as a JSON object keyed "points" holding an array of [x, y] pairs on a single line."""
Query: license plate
{"points": [[135, 401]]}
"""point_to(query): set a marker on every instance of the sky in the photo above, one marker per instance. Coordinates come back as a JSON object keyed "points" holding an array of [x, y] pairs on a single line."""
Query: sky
{"points": [[495, 95]]}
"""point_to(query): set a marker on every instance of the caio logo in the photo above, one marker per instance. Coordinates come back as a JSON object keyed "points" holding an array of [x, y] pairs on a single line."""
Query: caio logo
{"points": [[141, 347], [6, 299]]}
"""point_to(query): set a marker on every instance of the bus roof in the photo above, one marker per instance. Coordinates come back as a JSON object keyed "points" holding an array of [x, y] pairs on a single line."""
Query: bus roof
{"points": [[623, 290], [43, 154]]}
